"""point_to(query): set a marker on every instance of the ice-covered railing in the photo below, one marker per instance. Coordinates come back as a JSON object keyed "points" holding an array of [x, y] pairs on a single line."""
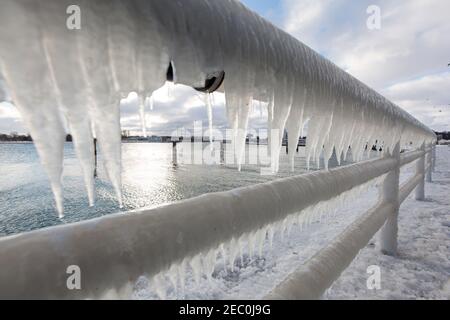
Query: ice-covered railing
{"points": [[312, 279], [113, 251], [67, 66]]}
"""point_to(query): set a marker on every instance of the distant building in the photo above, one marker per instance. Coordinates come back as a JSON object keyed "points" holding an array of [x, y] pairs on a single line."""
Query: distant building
{"points": [[154, 139], [14, 136], [302, 142], [125, 133], [445, 135]]}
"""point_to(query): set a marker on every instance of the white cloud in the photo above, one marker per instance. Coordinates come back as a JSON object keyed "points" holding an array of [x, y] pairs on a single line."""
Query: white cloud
{"points": [[303, 15], [7, 110], [427, 98], [406, 60], [174, 107], [10, 119], [412, 44]]}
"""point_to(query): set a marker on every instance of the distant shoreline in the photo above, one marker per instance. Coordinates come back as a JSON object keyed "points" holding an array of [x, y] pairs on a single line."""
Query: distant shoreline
{"points": [[16, 142], [125, 141]]}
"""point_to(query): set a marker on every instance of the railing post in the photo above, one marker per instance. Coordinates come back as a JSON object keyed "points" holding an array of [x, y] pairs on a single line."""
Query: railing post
{"points": [[429, 163], [420, 169], [174, 153], [390, 193], [434, 157], [222, 152]]}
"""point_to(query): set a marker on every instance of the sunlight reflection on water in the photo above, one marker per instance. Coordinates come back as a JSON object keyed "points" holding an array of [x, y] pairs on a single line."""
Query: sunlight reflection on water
{"points": [[149, 179]]}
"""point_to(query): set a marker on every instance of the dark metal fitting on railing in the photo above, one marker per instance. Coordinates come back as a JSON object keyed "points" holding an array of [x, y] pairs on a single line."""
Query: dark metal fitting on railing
{"points": [[212, 82]]}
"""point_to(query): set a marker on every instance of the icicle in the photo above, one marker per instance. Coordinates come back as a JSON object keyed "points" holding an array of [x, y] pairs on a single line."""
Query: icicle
{"points": [[159, 286], [32, 89], [170, 87], [142, 116], [323, 136], [233, 252], [301, 219], [104, 99], [238, 110], [251, 245], [73, 104], [270, 236], [209, 263], [152, 102], [181, 268], [269, 123], [108, 136], [172, 274], [313, 137], [121, 41], [295, 125], [290, 224], [196, 265], [260, 238], [283, 227], [282, 107], [210, 117], [241, 244], [223, 253]]}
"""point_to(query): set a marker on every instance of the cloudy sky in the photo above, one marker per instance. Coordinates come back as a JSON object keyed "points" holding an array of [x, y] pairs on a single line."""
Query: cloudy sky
{"points": [[406, 59]]}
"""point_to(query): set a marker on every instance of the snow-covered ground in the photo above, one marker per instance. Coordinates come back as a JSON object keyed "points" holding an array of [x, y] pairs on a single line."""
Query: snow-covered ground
{"points": [[421, 270]]}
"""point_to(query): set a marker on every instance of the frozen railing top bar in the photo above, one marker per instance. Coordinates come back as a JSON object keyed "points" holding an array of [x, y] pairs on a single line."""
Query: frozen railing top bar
{"points": [[67, 65]]}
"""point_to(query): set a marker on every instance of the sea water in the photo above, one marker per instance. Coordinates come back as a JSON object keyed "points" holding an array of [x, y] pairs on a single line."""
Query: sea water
{"points": [[149, 178]]}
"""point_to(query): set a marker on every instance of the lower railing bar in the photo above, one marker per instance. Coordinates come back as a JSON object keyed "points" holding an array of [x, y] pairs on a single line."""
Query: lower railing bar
{"points": [[312, 279], [429, 166], [410, 156], [409, 186], [420, 171], [433, 158]]}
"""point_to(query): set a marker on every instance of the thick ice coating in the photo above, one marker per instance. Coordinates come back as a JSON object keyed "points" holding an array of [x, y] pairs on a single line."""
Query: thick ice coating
{"points": [[57, 74]]}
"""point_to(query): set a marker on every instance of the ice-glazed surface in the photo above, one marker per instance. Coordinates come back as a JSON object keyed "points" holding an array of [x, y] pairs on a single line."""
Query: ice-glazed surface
{"points": [[62, 79]]}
